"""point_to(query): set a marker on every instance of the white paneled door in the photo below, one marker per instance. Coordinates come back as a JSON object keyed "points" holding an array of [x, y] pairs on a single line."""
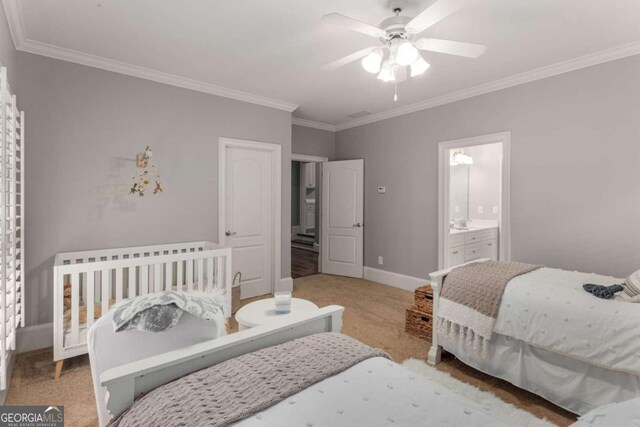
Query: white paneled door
{"points": [[248, 217], [342, 217]]}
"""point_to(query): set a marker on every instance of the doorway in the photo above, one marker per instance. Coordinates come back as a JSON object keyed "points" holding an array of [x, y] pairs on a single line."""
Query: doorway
{"points": [[249, 214], [305, 214], [474, 200]]}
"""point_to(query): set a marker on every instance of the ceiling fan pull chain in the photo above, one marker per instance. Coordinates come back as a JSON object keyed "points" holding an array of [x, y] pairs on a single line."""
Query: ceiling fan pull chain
{"points": [[395, 92]]}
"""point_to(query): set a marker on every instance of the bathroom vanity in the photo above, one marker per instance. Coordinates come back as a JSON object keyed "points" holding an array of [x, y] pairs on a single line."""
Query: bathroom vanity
{"points": [[474, 242]]}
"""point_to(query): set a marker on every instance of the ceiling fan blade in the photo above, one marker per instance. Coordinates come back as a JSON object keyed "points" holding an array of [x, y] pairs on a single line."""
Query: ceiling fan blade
{"points": [[433, 14], [348, 59], [353, 24], [468, 50]]}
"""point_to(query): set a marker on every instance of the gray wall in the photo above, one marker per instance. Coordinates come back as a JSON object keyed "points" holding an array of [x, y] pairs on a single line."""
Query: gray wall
{"points": [[7, 51], [575, 198], [85, 127], [313, 142]]}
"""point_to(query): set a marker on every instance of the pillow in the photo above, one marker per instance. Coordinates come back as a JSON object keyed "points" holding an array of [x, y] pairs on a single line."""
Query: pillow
{"points": [[632, 284]]}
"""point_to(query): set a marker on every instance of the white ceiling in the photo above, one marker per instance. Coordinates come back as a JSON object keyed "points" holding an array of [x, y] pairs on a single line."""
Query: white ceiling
{"points": [[276, 48]]}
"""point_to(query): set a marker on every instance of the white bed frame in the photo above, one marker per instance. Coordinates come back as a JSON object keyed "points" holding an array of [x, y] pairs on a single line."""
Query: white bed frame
{"points": [[127, 382], [437, 278], [100, 275]]}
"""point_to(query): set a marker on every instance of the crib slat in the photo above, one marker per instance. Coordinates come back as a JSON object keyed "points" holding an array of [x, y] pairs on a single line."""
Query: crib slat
{"points": [[168, 276], [75, 307], [132, 282], [190, 275], [157, 278], [119, 284], [144, 280], [105, 283], [218, 279], [200, 275], [209, 262], [91, 304], [179, 278]]}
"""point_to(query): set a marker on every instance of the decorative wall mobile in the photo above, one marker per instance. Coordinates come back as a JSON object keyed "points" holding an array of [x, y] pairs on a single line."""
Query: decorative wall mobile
{"points": [[146, 174]]}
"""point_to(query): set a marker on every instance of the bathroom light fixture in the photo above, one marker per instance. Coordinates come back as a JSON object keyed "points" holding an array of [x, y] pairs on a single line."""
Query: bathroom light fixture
{"points": [[461, 158]]}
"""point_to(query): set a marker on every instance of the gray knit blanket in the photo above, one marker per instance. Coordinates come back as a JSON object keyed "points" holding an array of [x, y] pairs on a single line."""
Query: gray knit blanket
{"points": [[470, 300], [240, 387]]}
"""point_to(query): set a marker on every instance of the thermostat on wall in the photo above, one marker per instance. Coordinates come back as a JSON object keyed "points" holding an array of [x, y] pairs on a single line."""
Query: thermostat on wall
{"points": [[382, 190]]}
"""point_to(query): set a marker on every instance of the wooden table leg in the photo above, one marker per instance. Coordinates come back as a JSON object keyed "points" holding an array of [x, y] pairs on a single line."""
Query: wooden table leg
{"points": [[59, 364]]}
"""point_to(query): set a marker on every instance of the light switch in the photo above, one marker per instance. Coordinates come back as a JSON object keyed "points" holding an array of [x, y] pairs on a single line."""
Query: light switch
{"points": [[495, 209], [380, 260], [480, 209], [382, 190]]}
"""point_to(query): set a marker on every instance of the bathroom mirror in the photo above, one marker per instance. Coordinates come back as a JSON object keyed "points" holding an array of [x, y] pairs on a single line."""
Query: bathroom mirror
{"points": [[459, 192]]}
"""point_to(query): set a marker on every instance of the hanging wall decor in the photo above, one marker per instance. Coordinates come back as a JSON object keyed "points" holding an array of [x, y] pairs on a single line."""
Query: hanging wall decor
{"points": [[146, 175]]}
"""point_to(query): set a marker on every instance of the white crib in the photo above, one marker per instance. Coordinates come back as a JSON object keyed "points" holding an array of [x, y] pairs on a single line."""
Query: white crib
{"points": [[111, 275]]}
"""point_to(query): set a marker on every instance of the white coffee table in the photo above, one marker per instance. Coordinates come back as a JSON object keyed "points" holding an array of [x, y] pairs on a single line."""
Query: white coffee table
{"points": [[264, 311]]}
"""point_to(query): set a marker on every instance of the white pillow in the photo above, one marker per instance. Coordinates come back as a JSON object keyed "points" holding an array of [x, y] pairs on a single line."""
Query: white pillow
{"points": [[632, 284]]}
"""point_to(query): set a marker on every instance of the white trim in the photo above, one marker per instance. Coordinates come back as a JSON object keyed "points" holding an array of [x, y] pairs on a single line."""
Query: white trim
{"points": [[505, 193], [313, 124], [585, 61], [34, 337], [24, 44], [396, 280], [276, 157], [308, 159], [286, 284]]}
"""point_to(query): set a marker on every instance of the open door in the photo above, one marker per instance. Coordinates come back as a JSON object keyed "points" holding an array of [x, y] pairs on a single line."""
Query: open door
{"points": [[342, 217]]}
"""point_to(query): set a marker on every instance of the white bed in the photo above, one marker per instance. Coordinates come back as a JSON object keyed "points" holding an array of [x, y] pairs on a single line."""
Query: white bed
{"points": [[108, 349], [556, 340], [373, 392]]}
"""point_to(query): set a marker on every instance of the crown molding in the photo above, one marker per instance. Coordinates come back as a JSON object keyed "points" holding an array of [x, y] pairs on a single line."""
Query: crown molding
{"points": [[585, 61], [24, 44], [312, 124]]}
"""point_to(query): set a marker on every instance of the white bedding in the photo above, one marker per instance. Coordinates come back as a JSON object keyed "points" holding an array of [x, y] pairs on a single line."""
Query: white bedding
{"points": [[625, 414], [549, 309], [375, 392]]}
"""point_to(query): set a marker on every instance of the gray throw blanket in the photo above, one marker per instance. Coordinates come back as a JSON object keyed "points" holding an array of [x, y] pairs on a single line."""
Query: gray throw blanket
{"points": [[470, 299], [240, 387]]}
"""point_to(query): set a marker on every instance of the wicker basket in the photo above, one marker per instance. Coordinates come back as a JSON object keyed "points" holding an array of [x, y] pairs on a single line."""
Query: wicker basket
{"points": [[423, 298], [418, 324]]}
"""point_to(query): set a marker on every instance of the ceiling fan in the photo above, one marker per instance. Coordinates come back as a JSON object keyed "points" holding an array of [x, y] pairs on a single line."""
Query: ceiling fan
{"points": [[399, 47]]}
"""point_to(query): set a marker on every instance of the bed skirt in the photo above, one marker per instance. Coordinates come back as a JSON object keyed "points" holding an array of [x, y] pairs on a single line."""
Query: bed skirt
{"points": [[569, 383]]}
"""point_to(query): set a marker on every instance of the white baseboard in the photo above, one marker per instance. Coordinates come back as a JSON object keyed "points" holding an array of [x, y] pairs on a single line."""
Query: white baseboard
{"points": [[34, 337], [286, 284], [397, 280]]}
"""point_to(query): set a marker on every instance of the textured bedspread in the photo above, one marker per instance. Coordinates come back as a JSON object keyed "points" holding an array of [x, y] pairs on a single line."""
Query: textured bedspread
{"points": [[235, 389], [471, 297], [549, 309]]}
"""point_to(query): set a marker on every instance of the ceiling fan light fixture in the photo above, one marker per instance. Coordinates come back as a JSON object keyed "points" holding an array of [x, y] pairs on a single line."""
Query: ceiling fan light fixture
{"points": [[419, 66], [371, 63], [387, 73], [406, 53]]}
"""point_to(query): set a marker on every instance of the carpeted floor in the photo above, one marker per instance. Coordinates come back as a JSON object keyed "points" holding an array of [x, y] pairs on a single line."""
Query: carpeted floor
{"points": [[374, 314]]}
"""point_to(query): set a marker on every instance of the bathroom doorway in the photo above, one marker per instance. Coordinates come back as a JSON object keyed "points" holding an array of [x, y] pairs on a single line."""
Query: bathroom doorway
{"points": [[473, 214]]}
